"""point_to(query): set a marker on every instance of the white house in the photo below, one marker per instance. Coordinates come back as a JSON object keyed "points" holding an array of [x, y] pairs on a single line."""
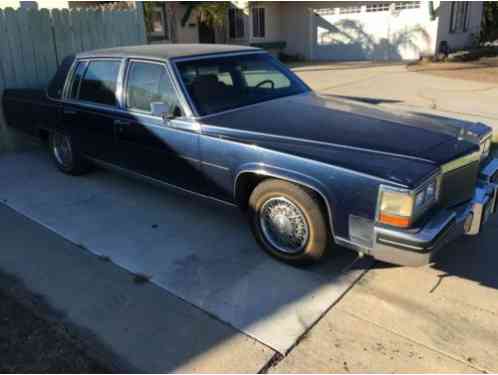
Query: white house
{"points": [[338, 30], [367, 30], [318, 30]]}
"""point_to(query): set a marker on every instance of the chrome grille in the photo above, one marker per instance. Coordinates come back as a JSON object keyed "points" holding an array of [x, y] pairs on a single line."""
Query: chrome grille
{"points": [[458, 185]]}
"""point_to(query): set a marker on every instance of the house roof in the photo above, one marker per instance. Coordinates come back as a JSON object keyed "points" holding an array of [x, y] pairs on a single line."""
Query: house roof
{"points": [[166, 51]]}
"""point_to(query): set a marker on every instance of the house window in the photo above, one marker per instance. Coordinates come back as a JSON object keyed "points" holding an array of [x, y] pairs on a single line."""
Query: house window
{"points": [[158, 24], [258, 22], [378, 7], [29, 5], [459, 16], [350, 9], [401, 5], [325, 11], [235, 23]]}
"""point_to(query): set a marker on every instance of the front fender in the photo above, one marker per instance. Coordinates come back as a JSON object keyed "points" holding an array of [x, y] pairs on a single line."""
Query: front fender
{"points": [[262, 169]]}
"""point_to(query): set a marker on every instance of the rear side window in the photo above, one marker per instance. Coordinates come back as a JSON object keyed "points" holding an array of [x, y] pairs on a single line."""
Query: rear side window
{"points": [[99, 82], [148, 83]]}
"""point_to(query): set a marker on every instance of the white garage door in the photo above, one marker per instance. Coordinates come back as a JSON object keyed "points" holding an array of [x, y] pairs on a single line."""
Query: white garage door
{"points": [[371, 31]]}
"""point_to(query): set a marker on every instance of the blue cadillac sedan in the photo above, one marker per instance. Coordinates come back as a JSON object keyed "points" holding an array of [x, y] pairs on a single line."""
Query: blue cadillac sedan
{"points": [[233, 124]]}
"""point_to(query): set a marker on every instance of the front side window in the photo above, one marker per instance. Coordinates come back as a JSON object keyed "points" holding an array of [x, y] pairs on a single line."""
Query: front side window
{"points": [[222, 83], [258, 22], [459, 16], [235, 23], [148, 83], [99, 82]]}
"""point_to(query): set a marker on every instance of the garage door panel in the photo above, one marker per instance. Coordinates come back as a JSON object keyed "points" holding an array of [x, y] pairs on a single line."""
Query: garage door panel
{"points": [[368, 35]]}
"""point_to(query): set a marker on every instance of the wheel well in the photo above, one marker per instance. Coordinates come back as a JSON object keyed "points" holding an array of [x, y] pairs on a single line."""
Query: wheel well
{"points": [[247, 182]]}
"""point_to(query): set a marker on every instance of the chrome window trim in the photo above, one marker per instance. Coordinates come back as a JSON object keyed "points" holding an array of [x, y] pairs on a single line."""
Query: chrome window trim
{"points": [[129, 64], [121, 109], [88, 60], [184, 100], [69, 79]]}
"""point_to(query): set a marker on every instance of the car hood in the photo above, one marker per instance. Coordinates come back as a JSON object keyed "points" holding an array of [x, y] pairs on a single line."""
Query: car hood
{"points": [[349, 134]]}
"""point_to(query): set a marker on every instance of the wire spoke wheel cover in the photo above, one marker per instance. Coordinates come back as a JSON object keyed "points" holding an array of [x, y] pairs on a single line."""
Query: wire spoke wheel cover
{"points": [[284, 225], [62, 150]]}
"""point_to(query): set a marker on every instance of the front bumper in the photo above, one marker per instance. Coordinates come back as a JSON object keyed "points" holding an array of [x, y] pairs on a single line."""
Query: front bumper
{"points": [[418, 247]]}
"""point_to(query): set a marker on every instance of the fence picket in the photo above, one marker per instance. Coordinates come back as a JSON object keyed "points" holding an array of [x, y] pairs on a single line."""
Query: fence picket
{"points": [[49, 48], [77, 30], [26, 47], [6, 62], [34, 42], [13, 41], [140, 25], [62, 33]]}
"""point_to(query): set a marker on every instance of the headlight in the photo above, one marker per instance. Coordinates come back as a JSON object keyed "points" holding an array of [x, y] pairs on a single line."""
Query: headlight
{"points": [[485, 148], [396, 208], [401, 208]]}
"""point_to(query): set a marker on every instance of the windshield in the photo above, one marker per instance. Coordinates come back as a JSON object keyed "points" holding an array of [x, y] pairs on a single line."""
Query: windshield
{"points": [[221, 83]]}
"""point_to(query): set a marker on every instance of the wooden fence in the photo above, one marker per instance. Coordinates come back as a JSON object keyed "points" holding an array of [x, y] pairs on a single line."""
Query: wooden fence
{"points": [[34, 42]]}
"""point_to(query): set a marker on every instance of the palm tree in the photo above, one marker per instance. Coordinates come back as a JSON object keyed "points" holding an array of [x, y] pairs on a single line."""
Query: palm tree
{"points": [[212, 14], [489, 30]]}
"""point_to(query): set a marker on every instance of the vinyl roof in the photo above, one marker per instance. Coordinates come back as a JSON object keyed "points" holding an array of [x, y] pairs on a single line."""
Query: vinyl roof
{"points": [[166, 51]]}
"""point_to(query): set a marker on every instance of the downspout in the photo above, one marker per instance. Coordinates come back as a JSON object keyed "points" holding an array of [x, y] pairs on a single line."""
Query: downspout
{"points": [[311, 34], [432, 11]]}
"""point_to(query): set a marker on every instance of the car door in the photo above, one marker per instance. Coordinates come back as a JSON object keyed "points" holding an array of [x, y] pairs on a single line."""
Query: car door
{"points": [[163, 149], [91, 106]]}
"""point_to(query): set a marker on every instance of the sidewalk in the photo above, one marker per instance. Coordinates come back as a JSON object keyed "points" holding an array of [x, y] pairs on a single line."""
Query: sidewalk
{"points": [[134, 327]]}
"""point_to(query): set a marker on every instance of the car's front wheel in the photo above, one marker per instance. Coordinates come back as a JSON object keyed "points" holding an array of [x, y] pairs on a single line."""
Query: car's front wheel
{"points": [[288, 221], [65, 154]]}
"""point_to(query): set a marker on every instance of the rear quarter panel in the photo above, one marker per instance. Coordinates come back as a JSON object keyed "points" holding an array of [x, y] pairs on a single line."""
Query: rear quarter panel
{"points": [[30, 110]]}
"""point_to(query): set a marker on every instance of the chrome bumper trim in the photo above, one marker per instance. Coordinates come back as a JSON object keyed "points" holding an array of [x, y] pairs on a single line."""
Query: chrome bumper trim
{"points": [[417, 247]]}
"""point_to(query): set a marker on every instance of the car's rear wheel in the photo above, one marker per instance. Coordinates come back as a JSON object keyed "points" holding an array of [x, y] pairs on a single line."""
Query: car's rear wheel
{"points": [[65, 154], [288, 221]]}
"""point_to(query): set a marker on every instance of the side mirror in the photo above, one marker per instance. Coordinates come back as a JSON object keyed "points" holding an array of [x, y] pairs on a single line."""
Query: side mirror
{"points": [[161, 109]]}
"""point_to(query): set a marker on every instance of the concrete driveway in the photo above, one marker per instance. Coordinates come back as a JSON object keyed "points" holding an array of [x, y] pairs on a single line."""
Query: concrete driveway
{"points": [[393, 86], [439, 318], [201, 251]]}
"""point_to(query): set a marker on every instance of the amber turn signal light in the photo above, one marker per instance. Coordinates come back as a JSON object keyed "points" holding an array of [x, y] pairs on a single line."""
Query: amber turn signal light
{"points": [[397, 221]]}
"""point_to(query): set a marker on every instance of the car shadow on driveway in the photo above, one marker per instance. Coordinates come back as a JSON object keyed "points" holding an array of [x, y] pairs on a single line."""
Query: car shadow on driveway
{"points": [[472, 258], [198, 250]]}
